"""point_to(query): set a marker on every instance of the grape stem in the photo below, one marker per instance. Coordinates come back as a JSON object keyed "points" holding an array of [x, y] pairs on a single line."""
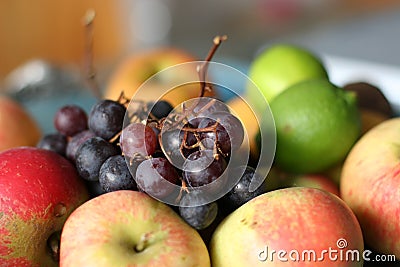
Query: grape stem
{"points": [[202, 70], [90, 71]]}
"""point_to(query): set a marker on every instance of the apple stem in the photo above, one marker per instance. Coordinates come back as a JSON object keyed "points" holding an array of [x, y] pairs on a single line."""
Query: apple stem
{"points": [[90, 71], [143, 243], [202, 70]]}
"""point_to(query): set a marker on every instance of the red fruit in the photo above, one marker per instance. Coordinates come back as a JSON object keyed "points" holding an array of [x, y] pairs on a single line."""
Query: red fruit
{"points": [[38, 191]]}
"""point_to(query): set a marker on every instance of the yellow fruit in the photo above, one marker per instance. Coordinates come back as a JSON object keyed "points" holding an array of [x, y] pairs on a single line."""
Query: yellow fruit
{"points": [[246, 115], [136, 69], [17, 126], [317, 123]]}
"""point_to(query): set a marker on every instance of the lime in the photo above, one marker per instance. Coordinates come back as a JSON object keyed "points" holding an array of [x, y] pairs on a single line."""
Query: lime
{"points": [[282, 65], [317, 123]]}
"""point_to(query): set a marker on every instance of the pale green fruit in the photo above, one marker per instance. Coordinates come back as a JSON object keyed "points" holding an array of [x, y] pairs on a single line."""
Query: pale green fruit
{"points": [[280, 66]]}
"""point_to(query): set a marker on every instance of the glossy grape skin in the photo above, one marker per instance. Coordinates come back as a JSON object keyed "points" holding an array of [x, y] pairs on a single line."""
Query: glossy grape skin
{"points": [[106, 118], [197, 216], [156, 176], [115, 175], [70, 120], [138, 139], [171, 141], [76, 141], [202, 168], [91, 155], [240, 193], [229, 132], [55, 142]]}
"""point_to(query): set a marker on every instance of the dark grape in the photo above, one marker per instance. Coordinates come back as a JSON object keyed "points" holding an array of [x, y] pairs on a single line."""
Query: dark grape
{"points": [[76, 141], [115, 175], [198, 216], [106, 118], [138, 139], [56, 142], [70, 120], [91, 155], [171, 141], [229, 132], [160, 109], [202, 168], [240, 193], [156, 176]]}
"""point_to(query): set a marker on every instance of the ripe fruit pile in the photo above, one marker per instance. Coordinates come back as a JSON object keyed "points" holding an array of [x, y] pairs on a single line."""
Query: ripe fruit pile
{"points": [[184, 155], [143, 154]]}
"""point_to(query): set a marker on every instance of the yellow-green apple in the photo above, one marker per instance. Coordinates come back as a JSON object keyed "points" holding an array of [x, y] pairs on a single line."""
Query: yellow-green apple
{"points": [[38, 190], [314, 181], [17, 126], [136, 69], [279, 66], [370, 185], [129, 228], [294, 226]]}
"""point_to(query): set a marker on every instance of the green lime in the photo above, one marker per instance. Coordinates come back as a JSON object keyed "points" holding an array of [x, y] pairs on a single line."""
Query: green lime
{"points": [[317, 123], [282, 65]]}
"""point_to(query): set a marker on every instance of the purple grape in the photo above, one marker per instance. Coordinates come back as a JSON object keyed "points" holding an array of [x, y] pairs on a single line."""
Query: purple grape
{"points": [[55, 142], [138, 139], [91, 155], [156, 176], [171, 141], [70, 120], [115, 175], [229, 132], [76, 141], [202, 168], [198, 216], [240, 193], [106, 118]]}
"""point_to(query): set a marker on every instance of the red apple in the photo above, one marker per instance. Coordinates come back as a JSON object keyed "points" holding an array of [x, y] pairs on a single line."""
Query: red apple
{"points": [[315, 181], [17, 126], [129, 228], [38, 190], [370, 185], [294, 226]]}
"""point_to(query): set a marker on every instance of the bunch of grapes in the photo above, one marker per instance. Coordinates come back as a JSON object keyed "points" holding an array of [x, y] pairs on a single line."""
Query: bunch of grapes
{"points": [[155, 148]]}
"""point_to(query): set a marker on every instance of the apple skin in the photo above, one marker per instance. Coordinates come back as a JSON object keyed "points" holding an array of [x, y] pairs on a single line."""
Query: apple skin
{"points": [[315, 181], [137, 68], [286, 219], [38, 190], [17, 126], [106, 230], [370, 185], [279, 66]]}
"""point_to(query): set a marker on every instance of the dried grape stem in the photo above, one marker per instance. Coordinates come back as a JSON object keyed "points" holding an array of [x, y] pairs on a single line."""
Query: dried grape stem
{"points": [[90, 71], [202, 70]]}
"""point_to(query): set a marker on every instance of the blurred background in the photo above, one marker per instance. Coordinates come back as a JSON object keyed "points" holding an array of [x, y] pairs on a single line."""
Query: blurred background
{"points": [[362, 29], [53, 32]]}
